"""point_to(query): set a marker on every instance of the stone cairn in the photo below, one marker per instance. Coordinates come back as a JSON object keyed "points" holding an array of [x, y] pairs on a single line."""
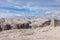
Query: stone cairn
{"points": [[52, 24]]}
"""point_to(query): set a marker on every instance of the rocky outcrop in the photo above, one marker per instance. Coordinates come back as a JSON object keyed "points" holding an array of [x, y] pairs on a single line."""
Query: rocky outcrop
{"points": [[7, 27], [9, 24], [21, 26], [47, 23], [38, 22]]}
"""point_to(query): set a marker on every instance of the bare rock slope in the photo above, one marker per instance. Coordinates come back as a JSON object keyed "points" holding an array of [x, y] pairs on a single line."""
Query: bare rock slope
{"points": [[41, 29]]}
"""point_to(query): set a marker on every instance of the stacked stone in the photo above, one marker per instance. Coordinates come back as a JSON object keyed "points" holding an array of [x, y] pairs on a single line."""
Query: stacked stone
{"points": [[52, 22]]}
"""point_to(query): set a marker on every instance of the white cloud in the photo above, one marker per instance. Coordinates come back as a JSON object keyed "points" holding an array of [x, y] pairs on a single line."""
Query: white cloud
{"points": [[10, 15], [18, 15], [47, 12], [53, 13], [29, 5]]}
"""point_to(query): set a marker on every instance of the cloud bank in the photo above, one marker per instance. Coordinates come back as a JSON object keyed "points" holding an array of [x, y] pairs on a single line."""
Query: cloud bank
{"points": [[33, 8]]}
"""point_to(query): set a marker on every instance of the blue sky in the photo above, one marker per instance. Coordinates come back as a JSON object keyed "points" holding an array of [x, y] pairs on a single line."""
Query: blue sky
{"points": [[29, 8]]}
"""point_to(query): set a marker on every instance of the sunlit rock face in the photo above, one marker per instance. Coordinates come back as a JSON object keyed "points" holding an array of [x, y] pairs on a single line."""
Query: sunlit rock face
{"points": [[8, 24], [37, 22], [47, 23], [25, 23]]}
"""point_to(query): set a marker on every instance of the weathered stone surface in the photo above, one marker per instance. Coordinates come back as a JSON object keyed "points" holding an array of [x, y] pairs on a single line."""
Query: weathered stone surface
{"points": [[7, 24]]}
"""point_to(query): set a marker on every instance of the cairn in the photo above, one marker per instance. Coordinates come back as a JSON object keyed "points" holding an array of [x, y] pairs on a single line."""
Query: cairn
{"points": [[52, 22]]}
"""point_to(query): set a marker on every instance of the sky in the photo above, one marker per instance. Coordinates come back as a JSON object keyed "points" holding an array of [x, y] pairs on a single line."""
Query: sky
{"points": [[29, 8]]}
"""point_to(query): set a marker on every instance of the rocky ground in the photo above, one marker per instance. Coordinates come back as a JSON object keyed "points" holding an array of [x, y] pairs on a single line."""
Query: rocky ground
{"points": [[45, 33]]}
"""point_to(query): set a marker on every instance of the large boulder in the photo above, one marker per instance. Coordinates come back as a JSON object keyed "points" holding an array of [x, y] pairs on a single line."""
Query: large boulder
{"points": [[7, 27], [19, 25], [37, 22], [46, 23], [0, 28]]}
